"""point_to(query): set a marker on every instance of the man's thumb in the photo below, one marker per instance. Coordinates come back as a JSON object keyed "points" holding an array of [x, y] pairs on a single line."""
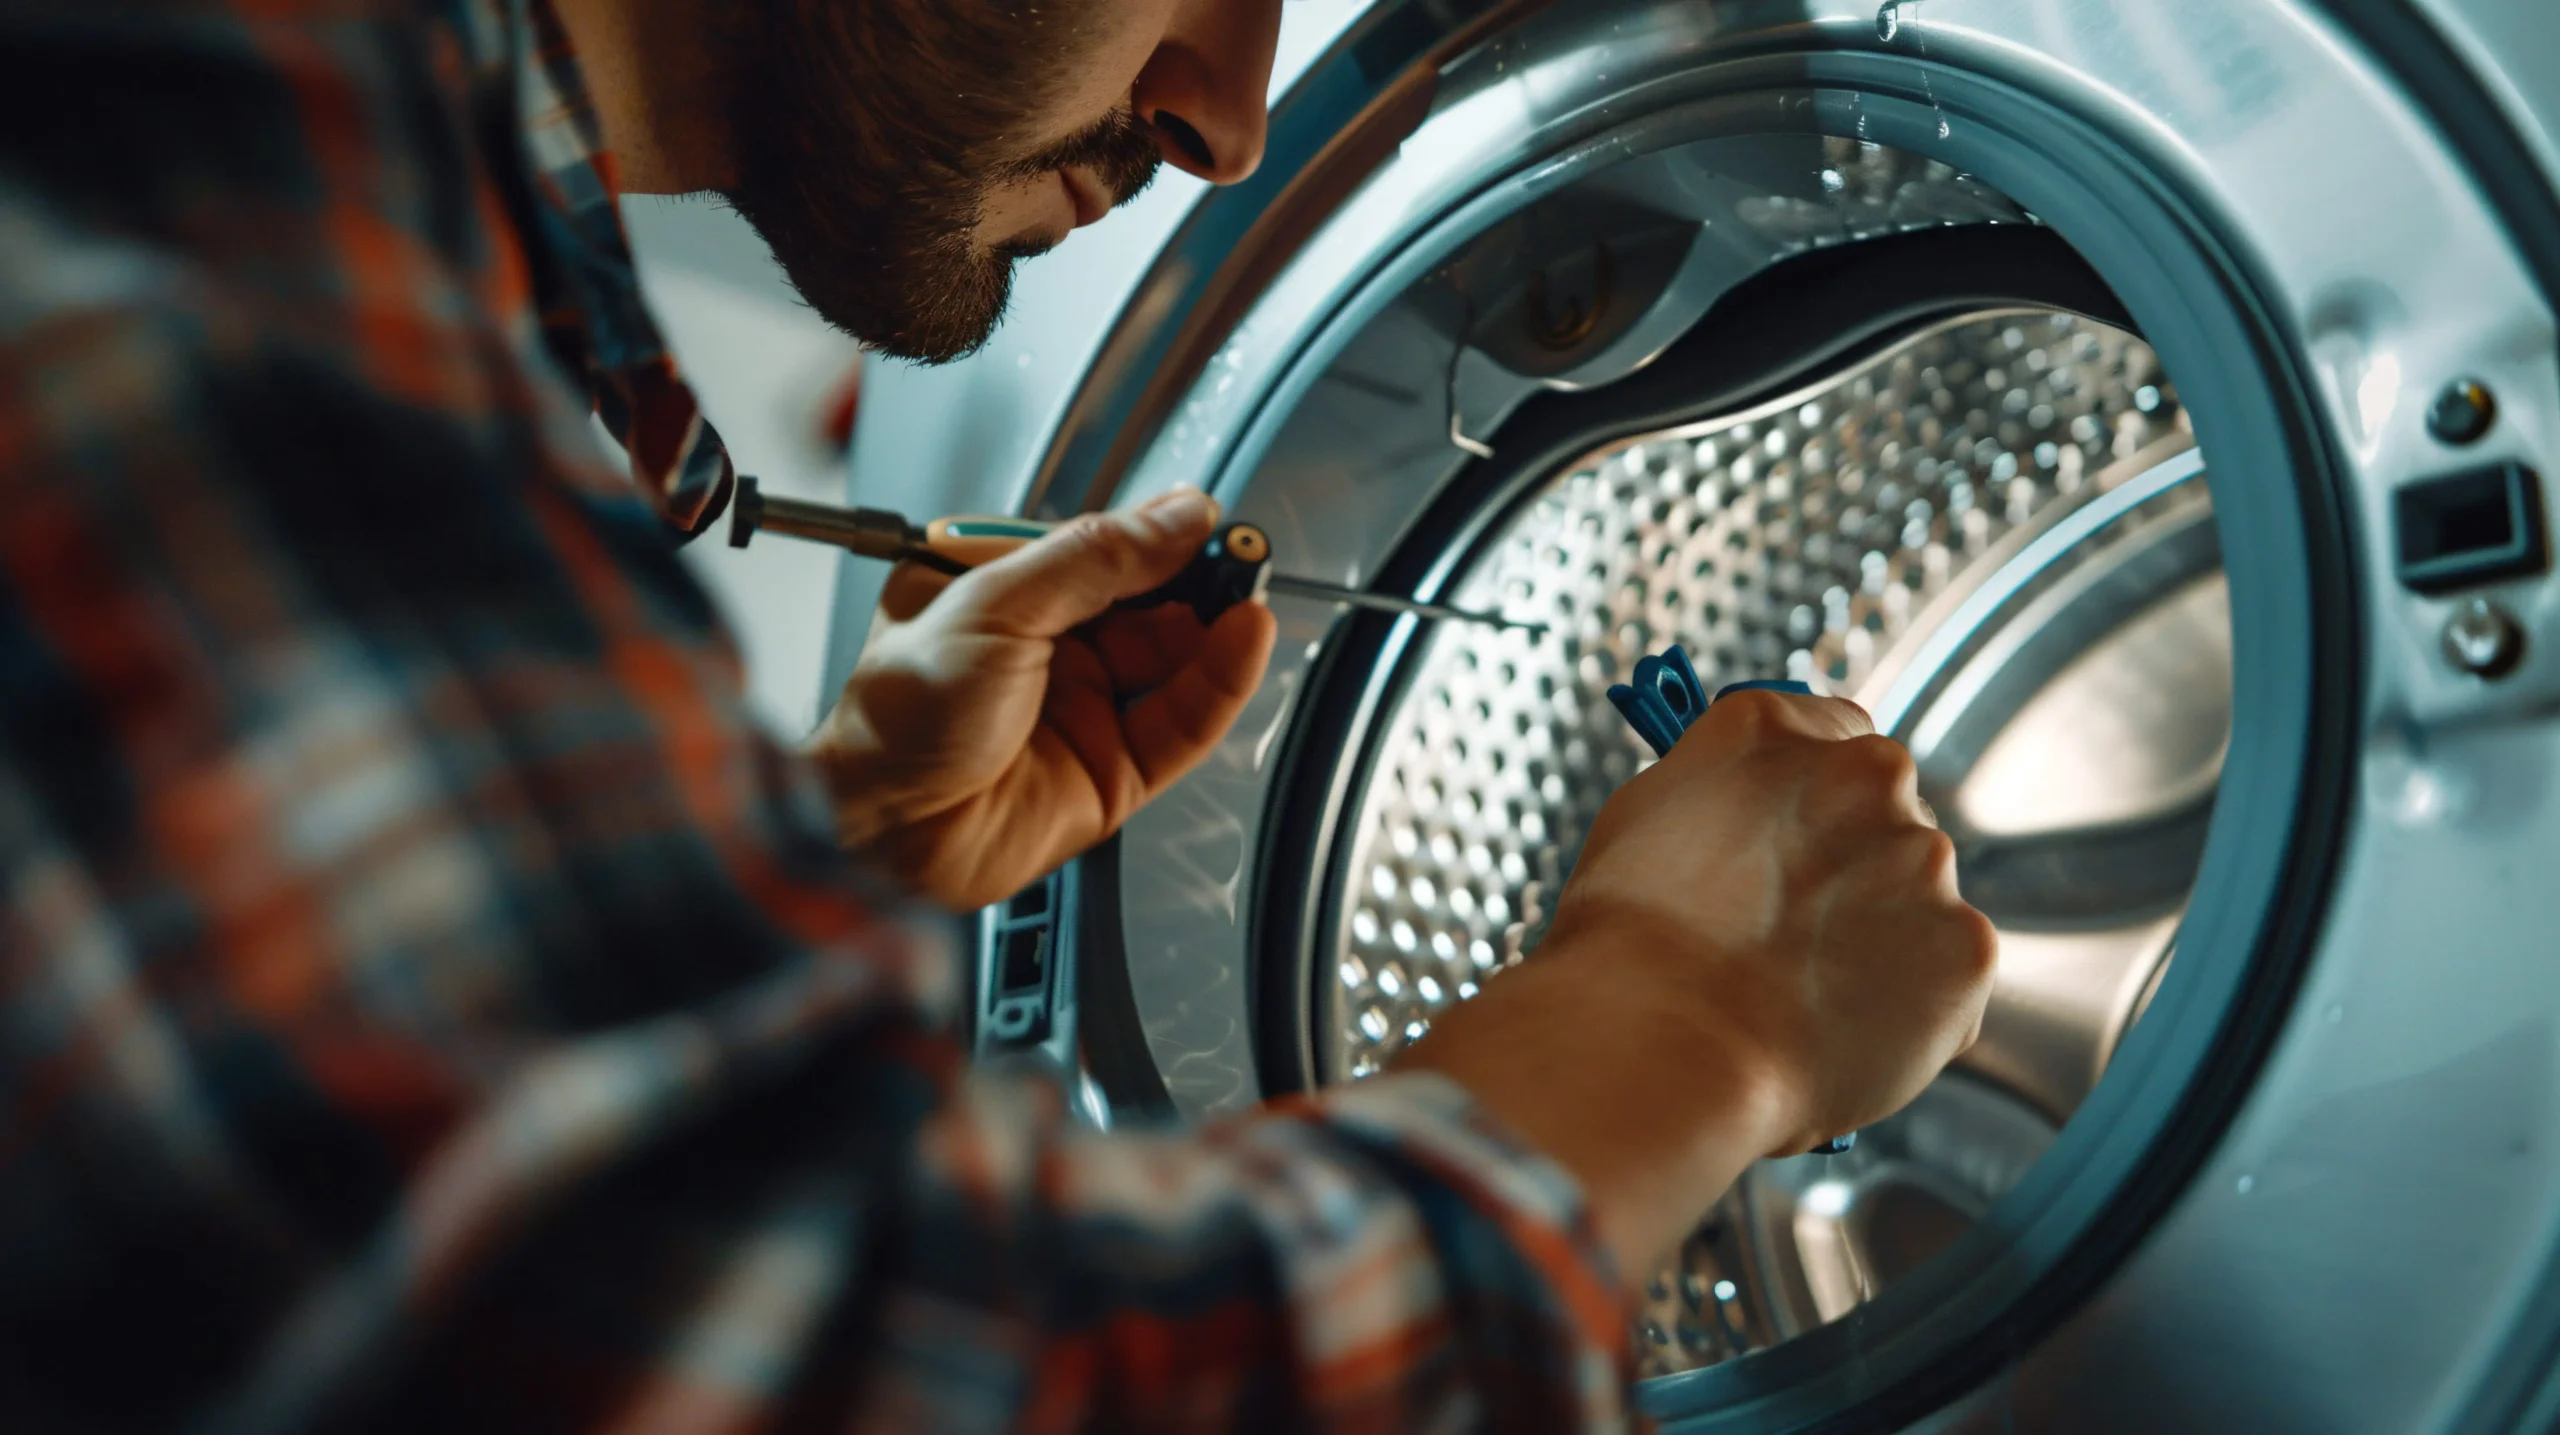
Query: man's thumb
{"points": [[1075, 574]]}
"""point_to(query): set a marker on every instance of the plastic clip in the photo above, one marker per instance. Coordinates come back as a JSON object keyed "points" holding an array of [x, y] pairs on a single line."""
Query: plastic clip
{"points": [[1663, 700], [1666, 697]]}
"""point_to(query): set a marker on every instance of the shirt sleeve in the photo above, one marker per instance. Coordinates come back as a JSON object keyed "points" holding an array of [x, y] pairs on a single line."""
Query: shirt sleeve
{"points": [[428, 1002]]}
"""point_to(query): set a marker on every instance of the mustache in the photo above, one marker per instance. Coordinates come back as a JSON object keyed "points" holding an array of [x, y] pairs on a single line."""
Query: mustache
{"points": [[1120, 148]]}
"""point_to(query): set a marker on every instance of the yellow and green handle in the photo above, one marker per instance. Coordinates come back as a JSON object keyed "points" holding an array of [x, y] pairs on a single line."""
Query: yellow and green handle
{"points": [[1231, 568]]}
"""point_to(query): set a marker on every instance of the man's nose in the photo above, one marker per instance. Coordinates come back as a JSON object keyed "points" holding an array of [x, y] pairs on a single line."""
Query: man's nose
{"points": [[1206, 89]]}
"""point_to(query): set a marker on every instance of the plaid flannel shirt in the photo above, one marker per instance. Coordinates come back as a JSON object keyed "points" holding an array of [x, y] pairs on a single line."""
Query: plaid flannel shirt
{"points": [[426, 1000]]}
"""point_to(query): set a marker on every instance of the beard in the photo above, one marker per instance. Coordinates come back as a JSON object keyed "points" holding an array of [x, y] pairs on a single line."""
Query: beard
{"points": [[867, 137]]}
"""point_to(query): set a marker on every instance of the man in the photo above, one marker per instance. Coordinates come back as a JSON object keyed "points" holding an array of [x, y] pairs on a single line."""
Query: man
{"points": [[427, 1002]]}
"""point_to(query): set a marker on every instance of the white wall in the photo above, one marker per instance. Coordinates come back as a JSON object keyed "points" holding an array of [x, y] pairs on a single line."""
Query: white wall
{"points": [[763, 366]]}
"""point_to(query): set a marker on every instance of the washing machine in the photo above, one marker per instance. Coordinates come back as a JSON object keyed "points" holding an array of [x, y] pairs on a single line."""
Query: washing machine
{"points": [[2145, 410]]}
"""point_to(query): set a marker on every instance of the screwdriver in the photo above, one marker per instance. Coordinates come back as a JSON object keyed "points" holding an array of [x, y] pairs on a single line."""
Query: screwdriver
{"points": [[1233, 566]]}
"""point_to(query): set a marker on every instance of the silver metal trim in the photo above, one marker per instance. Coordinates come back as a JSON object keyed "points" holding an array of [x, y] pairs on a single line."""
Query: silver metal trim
{"points": [[1950, 638]]}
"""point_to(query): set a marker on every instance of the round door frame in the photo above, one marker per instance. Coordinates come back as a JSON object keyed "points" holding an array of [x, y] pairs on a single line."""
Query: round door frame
{"points": [[2278, 359]]}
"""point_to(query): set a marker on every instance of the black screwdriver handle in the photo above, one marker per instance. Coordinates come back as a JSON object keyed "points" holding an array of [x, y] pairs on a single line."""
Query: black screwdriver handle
{"points": [[1228, 570]]}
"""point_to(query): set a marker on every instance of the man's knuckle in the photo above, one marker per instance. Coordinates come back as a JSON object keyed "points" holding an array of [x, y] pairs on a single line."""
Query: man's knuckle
{"points": [[1880, 761], [1979, 942], [1093, 538], [1851, 715], [1752, 710], [1863, 778], [1922, 855]]}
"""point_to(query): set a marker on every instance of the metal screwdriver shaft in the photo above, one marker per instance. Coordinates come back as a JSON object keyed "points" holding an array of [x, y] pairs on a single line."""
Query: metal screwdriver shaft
{"points": [[1388, 603], [1229, 570]]}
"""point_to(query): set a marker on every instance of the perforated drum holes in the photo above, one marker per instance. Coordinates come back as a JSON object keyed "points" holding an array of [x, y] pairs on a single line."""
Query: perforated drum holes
{"points": [[1800, 541]]}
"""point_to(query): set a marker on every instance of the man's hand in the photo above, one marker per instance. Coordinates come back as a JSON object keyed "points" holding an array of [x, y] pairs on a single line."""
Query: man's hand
{"points": [[1006, 720], [1761, 948]]}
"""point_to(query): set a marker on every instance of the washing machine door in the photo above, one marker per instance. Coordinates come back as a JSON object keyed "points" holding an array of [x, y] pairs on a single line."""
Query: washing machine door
{"points": [[2142, 410]]}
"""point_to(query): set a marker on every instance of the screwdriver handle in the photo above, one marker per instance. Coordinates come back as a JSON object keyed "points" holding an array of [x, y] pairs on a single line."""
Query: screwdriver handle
{"points": [[1232, 567], [972, 540], [1229, 569]]}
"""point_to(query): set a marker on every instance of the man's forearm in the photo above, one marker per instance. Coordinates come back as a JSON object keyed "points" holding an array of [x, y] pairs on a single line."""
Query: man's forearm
{"points": [[1653, 1105]]}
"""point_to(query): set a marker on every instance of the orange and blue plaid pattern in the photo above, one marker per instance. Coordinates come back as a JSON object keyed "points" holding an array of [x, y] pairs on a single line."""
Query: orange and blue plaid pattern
{"points": [[427, 1002]]}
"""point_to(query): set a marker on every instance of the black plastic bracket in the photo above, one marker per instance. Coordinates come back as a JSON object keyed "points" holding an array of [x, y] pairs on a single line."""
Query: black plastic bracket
{"points": [[2482, 525], [1018, 969]]}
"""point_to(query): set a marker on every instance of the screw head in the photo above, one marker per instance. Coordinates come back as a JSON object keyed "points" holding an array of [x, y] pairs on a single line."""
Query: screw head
{"points": [[2464, 413], [2483, 639]]}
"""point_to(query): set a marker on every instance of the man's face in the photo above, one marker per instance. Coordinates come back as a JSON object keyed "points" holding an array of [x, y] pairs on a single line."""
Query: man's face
{"points": [[901, 156]]}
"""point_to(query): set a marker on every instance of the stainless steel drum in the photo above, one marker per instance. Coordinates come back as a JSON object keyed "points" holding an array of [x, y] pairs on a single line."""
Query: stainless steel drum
{"points": [[1801, 539], [1826, 534], [2087, 389]]}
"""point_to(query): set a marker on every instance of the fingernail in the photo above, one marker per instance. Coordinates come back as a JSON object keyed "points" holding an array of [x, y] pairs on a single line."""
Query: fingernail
{"points": [[1181, 493], [1180, 510]]}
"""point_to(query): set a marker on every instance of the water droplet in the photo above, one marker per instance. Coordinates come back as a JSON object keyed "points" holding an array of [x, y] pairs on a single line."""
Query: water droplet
{"points": [[1889, 21], [1943, 130], [2247, 1184], [1727, 1290]]}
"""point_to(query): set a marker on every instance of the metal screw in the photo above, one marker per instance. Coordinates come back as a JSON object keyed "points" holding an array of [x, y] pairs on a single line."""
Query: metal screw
{"points": [[2463, 413], [1560, 332], [2483, 640]]}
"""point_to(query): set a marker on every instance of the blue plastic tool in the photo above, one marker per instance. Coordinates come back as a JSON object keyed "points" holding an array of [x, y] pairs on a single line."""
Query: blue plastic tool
{"points": [[1662, 700]]}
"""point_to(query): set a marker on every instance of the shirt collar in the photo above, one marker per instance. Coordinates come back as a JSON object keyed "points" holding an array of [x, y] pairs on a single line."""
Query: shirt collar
{"points": [[639, 392]]}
